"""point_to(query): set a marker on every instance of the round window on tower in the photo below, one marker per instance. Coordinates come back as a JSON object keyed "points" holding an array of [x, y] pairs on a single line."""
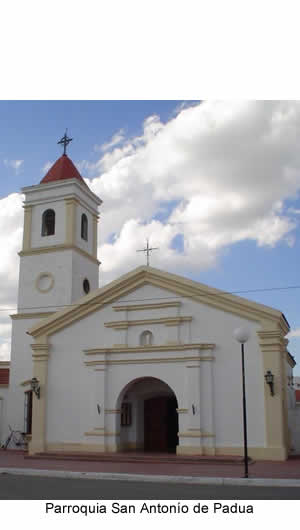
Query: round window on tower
{"points": [[86, 286]]}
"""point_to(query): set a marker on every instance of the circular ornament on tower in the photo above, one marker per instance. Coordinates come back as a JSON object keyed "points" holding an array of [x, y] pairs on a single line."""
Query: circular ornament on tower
{"points": [[86, 286], [44, 282]]}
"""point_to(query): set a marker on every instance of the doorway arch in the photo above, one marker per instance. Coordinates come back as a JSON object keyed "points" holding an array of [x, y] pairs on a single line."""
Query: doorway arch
{"points": [[149, 418]]}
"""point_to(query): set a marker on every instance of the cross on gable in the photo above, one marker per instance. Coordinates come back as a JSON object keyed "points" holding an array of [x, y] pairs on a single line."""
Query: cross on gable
{"points": [[147, 250]]}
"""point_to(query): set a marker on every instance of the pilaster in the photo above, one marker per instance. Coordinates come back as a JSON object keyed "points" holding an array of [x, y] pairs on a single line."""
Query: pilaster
{"points": [[40, 369], [71, 206], [272, 345], [27, 227], [95, 235]]}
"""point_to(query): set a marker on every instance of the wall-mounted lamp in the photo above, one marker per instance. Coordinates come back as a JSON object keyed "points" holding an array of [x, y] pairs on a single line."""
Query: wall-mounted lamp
{"points": [[194, 409], [35, 387], [269, 377], [99, 409]]}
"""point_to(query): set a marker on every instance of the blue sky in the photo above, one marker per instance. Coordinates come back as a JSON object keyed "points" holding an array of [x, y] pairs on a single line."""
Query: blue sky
{"points": [[30, 131], [211, 185]]}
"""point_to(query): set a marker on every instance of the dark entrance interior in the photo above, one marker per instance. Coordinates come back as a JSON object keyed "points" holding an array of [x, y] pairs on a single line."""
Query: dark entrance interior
{"points": [[160, 424]]}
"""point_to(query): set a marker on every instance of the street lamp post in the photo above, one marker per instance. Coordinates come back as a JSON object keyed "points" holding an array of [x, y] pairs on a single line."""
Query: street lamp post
{"points": [[242, 335]]}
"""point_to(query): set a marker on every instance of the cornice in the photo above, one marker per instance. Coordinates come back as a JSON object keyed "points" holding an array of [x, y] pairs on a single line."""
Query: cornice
{"points": [[58, 248], [168, 321], [158, 360], [150, 348], [60, 184], [142, 307], [21, 316]]}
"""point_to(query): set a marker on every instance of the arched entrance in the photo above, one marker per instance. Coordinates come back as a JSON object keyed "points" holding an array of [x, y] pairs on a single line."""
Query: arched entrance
{"points": [[149, 419]]}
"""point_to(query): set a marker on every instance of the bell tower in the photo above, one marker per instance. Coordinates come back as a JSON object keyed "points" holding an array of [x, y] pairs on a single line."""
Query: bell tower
{"points": [[58, 260], [58, 265]]}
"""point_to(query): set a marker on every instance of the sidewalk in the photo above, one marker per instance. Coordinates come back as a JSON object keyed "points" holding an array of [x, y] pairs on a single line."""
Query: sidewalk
{"points": [[212, 471]]}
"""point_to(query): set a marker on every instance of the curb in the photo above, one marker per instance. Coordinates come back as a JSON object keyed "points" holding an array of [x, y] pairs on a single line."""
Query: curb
{"points": [[218, 481]]}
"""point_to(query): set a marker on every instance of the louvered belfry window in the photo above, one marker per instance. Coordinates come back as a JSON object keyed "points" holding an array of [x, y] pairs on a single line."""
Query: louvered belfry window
{"points": [[48, 223], [84, 227]]}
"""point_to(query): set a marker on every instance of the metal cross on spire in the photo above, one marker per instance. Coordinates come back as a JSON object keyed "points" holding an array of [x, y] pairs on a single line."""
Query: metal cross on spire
{"points": [[65, 141], [148, 250]]}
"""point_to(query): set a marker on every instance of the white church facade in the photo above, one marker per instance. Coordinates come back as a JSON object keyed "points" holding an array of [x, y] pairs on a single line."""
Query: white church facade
{"points": [[147, 362]]}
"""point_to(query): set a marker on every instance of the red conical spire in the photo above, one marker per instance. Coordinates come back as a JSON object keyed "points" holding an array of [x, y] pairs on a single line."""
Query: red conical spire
{"points": [[62, 169]]}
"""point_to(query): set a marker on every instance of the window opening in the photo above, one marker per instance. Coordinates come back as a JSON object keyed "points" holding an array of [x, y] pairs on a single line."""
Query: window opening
{"points": [[86, 286], [84, 227], [48, 223]]}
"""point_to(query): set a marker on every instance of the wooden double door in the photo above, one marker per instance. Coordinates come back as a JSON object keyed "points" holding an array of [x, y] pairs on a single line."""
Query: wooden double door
{"points": [[160, 424]]}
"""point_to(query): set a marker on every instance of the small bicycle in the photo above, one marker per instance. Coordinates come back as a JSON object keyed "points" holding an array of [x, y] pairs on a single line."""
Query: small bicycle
{"points": [[15, 439]]}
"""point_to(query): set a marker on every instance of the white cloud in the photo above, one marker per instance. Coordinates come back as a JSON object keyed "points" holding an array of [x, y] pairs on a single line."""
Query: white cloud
{"points": [[224, 170], [116, 139], [294, 333], [14, 164], [47, 166], [5, 351]]}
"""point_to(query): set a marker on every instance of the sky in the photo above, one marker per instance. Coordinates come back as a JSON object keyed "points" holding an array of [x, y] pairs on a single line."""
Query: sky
{"points": [[213, 184]]}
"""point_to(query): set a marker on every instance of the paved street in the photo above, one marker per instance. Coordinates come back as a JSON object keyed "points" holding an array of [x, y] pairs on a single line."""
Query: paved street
{"points": [[27, 487]]}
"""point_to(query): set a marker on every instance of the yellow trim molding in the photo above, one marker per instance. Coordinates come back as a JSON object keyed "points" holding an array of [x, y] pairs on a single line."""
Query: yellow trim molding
{"points": [[95, 235], [168, 321], [141, 307], [268, 317], [147, 361], [40, 370], [27, 227], [151, 348], [58, 248], [71, 209], [21, 316], [273, 348]]}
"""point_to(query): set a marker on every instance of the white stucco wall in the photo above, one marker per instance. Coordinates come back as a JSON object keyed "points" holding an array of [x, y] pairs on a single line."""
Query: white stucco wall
{"points": [[59, 265], [73, 396], [20, 371]]}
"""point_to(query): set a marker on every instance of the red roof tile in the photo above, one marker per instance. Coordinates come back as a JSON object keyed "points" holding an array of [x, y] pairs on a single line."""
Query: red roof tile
{"points": [[62, 169], [4, 376]]}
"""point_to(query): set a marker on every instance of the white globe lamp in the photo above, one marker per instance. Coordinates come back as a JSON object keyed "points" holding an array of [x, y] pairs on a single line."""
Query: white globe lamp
{"points": [[241, 335]]}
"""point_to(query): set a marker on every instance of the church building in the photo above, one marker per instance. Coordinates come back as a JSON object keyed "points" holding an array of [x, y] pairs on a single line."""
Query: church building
{"points": [[148, 362]]}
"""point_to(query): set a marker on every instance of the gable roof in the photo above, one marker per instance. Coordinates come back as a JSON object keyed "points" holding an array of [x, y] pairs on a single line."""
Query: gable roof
{"points": [[176, 284]]}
